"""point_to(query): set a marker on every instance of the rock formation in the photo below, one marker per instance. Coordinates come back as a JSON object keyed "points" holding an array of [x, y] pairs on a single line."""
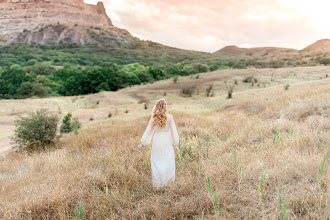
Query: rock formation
{"points": [[48, 21]]}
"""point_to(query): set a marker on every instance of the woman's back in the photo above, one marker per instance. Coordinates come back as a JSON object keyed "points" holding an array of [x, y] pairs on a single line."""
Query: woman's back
{"points": [[166, 128], [165, 136]]}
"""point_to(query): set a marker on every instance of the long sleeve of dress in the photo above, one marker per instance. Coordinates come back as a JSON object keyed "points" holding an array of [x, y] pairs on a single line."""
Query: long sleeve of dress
{"points": [[146, 138], [174, 132]]}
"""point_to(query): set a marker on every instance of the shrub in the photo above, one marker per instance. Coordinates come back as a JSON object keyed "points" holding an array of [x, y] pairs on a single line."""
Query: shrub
{"points": [[209, 90], [250, 79], [230, 90], [201, 68], [175, 79], [325, 61], [37, 129], [31, 62], [69, 126], [214, 67], [188, 90], [28, 89]]}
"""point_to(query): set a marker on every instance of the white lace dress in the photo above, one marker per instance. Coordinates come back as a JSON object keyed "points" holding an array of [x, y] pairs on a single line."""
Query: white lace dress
{"points": [[162, 153]]}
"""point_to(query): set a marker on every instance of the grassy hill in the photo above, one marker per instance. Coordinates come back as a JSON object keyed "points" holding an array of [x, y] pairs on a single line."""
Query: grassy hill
{"points": [[75, 54], [271, 129]]}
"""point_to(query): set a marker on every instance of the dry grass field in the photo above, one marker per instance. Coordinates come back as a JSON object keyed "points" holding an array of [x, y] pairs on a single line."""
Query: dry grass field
{"points": [[228, 145]]}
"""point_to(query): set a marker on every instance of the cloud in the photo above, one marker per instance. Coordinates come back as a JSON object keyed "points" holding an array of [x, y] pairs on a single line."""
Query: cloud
{"points": [[212, 24]]}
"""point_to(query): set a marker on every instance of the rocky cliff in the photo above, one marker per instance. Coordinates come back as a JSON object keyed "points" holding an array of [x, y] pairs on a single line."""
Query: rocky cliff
{"points": [[47, 21]]}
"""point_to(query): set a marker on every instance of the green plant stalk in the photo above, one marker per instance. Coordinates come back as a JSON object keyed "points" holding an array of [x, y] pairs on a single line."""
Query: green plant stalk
{"points": [[213, 195], [260, 135], [208, 182], [80, 212], [321, 168], [282, 205], [276, 136], [181, 150]]}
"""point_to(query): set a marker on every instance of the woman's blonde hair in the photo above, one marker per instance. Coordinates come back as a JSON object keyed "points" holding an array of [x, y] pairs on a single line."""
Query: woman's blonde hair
{"points": [[159, 113]]}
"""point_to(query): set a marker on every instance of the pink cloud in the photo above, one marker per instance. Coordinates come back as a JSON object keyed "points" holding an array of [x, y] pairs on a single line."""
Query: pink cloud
{"points": [[212, 24]]}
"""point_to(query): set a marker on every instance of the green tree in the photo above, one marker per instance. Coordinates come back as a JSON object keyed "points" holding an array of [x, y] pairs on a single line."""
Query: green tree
{"points": [[140, 71], [156, 73], [41, 69], [69, 126], [28, 89], [12, 77], [214, 67], [188, 69], [37, 129], [201, 68], [72, 86]]}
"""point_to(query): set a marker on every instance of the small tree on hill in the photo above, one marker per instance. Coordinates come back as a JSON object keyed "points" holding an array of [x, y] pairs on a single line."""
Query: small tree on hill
{"points": [[69, 126], [37, 129]]}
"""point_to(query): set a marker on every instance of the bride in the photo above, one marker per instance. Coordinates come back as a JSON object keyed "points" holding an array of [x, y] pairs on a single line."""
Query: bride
{"points": [[162, 127]]}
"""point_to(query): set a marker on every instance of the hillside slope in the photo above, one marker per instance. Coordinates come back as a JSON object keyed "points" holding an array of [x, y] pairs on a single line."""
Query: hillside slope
{"points": [[100, 173], [263, 53], [321, 46]]}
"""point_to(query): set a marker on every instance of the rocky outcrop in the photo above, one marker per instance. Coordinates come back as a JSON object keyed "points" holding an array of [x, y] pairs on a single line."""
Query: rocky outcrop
{"points": [[21, 17], [108, 36]]}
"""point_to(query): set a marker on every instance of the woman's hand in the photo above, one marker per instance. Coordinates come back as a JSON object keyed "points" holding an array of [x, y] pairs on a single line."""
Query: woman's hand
{"points": [[177, 149], [139, 146]]}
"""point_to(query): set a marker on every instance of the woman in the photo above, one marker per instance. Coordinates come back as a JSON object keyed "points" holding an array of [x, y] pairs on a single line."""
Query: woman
{"points": [[162, 127]]}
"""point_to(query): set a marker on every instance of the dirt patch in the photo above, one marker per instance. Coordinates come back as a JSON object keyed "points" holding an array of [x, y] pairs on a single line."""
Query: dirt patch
{"points": [[5, 146]]}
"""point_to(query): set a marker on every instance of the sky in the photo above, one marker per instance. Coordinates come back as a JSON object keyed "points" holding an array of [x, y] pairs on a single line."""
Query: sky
{"points": [[209, 25]]}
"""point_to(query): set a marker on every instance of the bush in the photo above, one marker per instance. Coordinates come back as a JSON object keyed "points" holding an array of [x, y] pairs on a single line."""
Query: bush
{"points": [[325, 61], [214, 67], [209, 90], [67, 126], [250, 79], [230, 90], [37, 129], [175, 79], [28, 89], [188, 90], [201, 68]]}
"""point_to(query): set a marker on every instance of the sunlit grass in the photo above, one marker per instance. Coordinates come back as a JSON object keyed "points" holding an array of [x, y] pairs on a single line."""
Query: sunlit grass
{"points": [[99, 173]]}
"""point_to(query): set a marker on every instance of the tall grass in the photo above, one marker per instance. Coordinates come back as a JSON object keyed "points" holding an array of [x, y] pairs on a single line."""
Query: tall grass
{"points": [[101, 169]]}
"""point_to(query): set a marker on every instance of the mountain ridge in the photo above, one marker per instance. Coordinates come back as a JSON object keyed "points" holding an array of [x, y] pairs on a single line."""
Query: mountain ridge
{"points": [[74, 21]]}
